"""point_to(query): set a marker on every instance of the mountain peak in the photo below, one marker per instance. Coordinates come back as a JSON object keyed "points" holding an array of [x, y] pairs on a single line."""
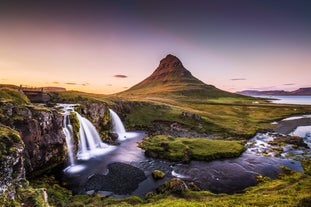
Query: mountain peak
{"points": [[170, 67], [172, 79], [170, 61]]}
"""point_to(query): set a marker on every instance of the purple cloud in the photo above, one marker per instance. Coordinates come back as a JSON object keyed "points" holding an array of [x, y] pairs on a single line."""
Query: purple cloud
{"points": [[120, 76]]}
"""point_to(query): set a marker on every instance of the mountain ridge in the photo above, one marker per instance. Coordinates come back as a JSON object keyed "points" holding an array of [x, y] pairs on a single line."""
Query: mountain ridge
{"points": [[306, 91]]}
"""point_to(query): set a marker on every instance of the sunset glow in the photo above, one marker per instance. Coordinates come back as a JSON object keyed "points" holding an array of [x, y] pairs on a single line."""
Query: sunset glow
{"points": [[108, 46]]}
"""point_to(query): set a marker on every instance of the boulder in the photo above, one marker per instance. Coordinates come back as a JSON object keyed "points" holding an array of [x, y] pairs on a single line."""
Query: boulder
{"points": [[158, 174]]}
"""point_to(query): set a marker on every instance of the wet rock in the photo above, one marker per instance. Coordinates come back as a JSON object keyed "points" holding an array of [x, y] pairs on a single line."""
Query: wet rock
{"points": [[122, 179], [287, 139], [193, 187], [175, 185], [113, 136]]}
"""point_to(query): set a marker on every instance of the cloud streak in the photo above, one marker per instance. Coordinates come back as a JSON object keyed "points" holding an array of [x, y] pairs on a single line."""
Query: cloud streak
{"points": [[238, 79], [289, 84], [120, 76], [71, 83]]}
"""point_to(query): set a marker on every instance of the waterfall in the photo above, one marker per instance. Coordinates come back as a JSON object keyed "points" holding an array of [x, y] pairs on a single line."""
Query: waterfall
{"points": [[90, 141], [117, 125], [69, 139], [67, 129]]}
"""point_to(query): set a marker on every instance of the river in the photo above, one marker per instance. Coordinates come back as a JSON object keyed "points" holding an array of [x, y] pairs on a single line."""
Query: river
{"points": [[219, 176]]}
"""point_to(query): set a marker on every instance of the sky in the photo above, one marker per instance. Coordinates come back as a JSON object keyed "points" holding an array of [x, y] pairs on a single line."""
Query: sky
{"points": [[108, 46]]}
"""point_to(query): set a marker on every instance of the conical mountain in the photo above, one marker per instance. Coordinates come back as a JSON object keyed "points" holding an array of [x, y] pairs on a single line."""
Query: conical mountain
{"points": [[172, 80]]}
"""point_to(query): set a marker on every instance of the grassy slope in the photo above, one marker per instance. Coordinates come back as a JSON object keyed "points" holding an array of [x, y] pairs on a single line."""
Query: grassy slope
{"points": [[11, 95], [236, 116], [229, 117]]}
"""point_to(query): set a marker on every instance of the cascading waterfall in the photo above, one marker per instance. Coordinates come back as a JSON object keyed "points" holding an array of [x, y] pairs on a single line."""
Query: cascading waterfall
{"points": [[69, 135], [117, 124], [90, 142], [118, 127]]}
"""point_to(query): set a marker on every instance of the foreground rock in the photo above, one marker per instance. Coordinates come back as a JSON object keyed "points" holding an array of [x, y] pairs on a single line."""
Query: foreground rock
{"points": [[31, 140], [122, 179], [41, 131], [175, 185]]}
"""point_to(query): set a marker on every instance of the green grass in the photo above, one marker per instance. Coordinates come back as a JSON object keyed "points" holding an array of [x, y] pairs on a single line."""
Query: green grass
{"points": [[230, 119], [179, 149], [77, 97], [12, 95], [9, 138], [231, 116]]}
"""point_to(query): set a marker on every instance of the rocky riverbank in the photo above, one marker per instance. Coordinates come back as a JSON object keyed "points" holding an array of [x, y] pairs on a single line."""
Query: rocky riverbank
{"points": [[287, 126]]}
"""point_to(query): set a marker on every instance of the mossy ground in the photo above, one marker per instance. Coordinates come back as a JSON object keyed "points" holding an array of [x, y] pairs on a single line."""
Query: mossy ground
{"points": [[186, 149], [8, 139]]}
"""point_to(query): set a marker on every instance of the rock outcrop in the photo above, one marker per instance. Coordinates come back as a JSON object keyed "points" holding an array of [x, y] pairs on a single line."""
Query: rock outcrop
{"points": [[97, 113], [41, 131], [12, 170]]}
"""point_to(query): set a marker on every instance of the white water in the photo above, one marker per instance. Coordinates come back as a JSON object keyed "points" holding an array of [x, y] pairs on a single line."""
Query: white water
{"points": [[117, 124], [69, 140], [304, 132], [90, 142], [68, 132]]}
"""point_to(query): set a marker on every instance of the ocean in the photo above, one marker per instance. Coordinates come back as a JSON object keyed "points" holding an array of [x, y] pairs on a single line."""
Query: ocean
{"points": [[302, 100]]}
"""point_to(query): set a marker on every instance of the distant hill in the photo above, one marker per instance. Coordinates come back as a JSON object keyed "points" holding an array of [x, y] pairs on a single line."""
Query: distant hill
{"points": [[171, 79], [298, 92], [9, 86]]}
